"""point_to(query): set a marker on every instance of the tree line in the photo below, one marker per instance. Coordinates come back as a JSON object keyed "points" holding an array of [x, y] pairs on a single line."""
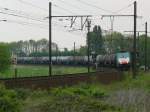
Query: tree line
{"points": [[31, 47]]}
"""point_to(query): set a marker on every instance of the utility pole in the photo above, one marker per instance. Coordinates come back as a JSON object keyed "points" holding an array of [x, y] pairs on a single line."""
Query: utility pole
{"points": [[50, 39], [138, 40], [84, 20], [145, 46], [74, 50], [112, 17], [88, 44], [134, 41], [112, 29], [56, 53]]}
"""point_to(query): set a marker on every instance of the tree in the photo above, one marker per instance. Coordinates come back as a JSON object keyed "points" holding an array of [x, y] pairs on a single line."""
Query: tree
{"points": [[96, 40], [83, 51], [32, 47], [5, 57], [141, 50], [117, 42]]}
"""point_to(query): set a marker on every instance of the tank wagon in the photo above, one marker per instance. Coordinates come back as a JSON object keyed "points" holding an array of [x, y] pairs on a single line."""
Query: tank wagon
{"points": [[56, 60]]}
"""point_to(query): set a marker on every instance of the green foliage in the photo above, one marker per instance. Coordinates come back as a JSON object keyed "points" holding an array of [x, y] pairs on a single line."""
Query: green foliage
{"points": [[5, 58], [31, 47], [129, 95], [22, 94], [8, 100], [82, 90], [81, 98], [74, 104], [117, 42], [95, 40], [141, 49]]}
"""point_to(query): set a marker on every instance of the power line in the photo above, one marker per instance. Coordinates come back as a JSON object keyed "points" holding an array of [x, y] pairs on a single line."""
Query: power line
{"points": [[67, 10], [27, 23], [25, 14], [33, 5], [124, 8], [20, 16], [92, 5], [75, 6], [12, 11], [20, 13]]}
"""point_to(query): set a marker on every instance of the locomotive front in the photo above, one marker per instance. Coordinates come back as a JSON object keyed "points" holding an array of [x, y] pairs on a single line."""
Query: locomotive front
{"points": [[123, 60]]}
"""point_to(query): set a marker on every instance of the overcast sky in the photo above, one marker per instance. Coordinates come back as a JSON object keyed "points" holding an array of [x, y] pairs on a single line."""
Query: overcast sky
{"points": [[17, 28]]}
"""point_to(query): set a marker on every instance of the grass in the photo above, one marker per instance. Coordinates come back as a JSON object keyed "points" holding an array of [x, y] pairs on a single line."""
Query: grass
{"points": [[39, 70]]}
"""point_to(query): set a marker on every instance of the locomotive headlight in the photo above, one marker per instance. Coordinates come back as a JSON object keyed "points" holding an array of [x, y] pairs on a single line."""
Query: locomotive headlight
{"points": [[124, 60]]}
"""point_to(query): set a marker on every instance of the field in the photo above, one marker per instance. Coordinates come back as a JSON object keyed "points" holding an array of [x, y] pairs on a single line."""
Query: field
{"points": [[41, 70]]}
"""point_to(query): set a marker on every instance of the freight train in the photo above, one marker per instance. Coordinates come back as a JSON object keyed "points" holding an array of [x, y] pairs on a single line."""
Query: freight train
{"points": [[121, 60]]}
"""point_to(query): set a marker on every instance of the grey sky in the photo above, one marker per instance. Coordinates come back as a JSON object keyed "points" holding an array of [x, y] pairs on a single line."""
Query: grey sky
{"points": [[12, 31]]}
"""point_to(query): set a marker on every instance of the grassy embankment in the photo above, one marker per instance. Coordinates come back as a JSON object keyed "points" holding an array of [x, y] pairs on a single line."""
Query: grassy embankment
{"points": [[129, 95]]}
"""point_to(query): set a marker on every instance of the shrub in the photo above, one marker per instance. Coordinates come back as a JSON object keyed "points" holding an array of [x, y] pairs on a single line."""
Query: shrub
{"points": [[4, 57], [73, 104], [81, 90], [8, 100], [22, 93]]}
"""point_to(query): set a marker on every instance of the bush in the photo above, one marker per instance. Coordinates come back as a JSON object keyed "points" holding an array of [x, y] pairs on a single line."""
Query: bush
{"points": [[22, 93], [8, 100], [73, 104], [4, 57], [81, 90], [132, 100]]}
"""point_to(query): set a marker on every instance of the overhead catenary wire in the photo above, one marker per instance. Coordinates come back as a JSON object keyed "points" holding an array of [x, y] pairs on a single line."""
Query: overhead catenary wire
{"points": [[25, 15], [19, 12], [20, 16], [27, 23], [72, 5], [94, 6], [12, 11], [124, 8], [67, 10], [33, 5]]}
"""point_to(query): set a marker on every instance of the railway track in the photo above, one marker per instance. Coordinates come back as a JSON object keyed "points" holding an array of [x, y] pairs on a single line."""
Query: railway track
{"points": [[46, 82]]}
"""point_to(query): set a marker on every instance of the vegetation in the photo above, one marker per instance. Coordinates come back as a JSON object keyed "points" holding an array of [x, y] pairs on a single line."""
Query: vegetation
{"points": [[141, 49], [31, 47], [5, 57], [96, 42], [9, 101], [39, 70], [83, 98], [129, 95]]}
